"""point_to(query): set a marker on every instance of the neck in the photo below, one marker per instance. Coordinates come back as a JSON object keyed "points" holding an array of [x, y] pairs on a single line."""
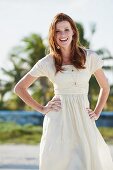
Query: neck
{"points": [[66, 55]]}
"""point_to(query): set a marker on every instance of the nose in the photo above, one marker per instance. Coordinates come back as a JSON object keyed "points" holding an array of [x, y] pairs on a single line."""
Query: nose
{"points": [[62, 33]]}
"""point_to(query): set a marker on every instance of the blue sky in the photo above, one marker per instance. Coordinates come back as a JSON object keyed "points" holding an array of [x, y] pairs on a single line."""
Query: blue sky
{"points": [[20, 18]]}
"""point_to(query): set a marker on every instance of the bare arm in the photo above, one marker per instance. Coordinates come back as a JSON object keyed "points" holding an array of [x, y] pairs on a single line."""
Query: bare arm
{"points": [[21, 90], [104, 90], [103, 94]]}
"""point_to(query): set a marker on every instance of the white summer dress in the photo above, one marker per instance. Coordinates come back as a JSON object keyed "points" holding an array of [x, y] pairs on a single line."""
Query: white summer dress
{"points": [[70, 139]]}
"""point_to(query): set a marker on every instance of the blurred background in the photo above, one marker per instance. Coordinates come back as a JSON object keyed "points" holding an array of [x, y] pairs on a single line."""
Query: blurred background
{"points": [[24, 26]]}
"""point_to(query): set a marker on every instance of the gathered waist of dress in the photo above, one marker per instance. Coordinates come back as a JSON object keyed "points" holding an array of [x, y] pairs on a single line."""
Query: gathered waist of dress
{"points": [[70, 91]]}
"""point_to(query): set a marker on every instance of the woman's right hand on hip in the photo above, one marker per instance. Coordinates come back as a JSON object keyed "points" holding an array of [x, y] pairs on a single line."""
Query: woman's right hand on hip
{"points": [[54, 104]]}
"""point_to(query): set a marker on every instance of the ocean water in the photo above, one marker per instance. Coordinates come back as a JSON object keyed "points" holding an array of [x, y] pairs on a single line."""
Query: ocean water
{"points": [[21, 117], [36, 118]]}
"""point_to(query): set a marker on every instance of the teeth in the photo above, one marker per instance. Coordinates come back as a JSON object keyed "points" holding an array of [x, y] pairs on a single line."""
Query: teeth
{"points": [[63, 39]]}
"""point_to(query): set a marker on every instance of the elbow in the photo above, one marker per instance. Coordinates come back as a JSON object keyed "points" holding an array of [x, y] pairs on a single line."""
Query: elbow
{"points": [[106, 90], [17, 89], [108, 87]]}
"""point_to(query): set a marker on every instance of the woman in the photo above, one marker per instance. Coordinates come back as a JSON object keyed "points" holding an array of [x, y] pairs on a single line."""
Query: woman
{"points": [[70, 139]]}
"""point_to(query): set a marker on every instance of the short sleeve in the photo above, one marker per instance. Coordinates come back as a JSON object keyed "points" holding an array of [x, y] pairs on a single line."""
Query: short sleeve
{"points": [[96, 62], [39, 69]]}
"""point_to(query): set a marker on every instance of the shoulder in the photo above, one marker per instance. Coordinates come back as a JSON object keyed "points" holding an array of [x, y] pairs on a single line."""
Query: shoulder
{"points": [[47, 63], [48, 59], [92, 55], [94, 61], [42, 67], [90, 52]]}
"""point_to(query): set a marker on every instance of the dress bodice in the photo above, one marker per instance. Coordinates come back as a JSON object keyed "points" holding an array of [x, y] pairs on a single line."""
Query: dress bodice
{"points": [[71, 80]]}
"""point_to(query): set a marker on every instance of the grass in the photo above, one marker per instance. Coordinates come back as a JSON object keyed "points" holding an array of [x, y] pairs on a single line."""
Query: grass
{"points": [[30, 134], [15, 134], [107, 133]]}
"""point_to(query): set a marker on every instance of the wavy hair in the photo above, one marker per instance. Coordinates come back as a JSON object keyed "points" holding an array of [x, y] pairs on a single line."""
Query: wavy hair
{"points": [[78, 53]]}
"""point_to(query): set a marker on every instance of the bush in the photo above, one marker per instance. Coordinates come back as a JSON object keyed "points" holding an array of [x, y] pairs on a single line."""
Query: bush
{"points": [[13, 133]]}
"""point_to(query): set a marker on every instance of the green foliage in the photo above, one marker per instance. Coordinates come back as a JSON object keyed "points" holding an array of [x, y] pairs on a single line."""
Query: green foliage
{"points": [[22, 58], [82, 40], [14, 133], [29, 134], [107, 134], [34, 48], [94, 92]]}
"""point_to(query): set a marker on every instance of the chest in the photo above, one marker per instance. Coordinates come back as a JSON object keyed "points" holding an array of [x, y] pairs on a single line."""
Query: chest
{"points": [[72, 75]]}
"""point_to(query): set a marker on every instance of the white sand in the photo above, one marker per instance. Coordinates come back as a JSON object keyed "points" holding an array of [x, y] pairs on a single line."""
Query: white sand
{"points": [[21, 157]]}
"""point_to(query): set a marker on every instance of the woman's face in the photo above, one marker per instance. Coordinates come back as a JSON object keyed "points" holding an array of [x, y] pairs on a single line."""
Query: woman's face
{"points": [[63, 34]]}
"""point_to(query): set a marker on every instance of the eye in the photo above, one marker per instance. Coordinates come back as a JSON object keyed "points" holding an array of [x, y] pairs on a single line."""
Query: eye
{"points": [[66, 29], [57, 31]]}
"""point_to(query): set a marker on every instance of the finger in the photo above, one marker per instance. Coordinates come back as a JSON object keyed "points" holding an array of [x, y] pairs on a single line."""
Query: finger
{"points": [[91, 113], [56, 108], [56, 103], [92, 116], [56, 99]]}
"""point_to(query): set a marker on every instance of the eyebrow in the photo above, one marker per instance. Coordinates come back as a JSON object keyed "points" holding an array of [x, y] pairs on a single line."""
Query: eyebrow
{"points": [[59, 29]]}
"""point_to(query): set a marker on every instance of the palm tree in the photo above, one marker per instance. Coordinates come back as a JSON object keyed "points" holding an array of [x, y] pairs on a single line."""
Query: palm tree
{"points": [[82, 38], [23, 57]]}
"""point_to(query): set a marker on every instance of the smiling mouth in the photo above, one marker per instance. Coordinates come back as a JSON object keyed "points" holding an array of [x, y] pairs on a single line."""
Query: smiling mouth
{"points": [[63, 39]]}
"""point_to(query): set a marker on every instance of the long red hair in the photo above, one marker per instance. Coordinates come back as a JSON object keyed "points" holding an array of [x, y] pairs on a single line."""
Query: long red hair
{"points": [[78, 53]]}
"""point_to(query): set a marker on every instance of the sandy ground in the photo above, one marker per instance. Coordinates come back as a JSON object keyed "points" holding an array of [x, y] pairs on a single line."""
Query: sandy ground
{"points": [[22, 157], [19, 157]]}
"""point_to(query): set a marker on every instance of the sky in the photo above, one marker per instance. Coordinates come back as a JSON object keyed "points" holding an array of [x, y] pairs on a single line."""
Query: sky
{"points": [[20, 18]]}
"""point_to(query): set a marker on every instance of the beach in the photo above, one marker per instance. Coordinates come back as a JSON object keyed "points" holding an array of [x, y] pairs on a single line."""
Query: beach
{"points": [[19, 157], [22, 157]]}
